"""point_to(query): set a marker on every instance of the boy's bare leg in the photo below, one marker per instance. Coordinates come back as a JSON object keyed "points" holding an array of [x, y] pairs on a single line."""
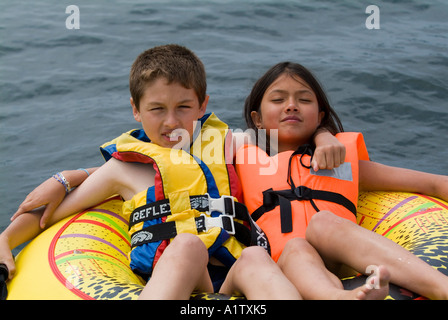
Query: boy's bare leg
{"points": [[341, 241], [303, 266], [258, 277], [181, 269]]}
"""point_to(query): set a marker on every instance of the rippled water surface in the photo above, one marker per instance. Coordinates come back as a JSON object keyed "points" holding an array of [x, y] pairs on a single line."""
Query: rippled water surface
{"points": [[64, 92]]}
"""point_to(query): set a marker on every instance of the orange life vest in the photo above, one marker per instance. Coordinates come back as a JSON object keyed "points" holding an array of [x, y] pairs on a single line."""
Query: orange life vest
{"points": [[283, 192]]}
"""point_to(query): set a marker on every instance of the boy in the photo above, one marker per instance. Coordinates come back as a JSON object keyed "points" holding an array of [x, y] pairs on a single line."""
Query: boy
{"points": [[168, 96]]}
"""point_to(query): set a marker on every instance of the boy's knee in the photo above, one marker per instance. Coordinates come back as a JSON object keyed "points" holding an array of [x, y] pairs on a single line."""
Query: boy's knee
{"points": [[187, 240], [254, 264], [253, 259], [254, 254], [188, 244]]}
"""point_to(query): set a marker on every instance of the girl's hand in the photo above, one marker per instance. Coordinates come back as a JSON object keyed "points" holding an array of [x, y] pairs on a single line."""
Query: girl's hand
{"points": [[441, 187], [50, 194], [329, 153], [6, 256]]}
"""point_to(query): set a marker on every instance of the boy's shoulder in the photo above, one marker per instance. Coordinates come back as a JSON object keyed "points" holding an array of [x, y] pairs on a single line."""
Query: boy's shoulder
{"points": [[130, 177], [109, 148]]}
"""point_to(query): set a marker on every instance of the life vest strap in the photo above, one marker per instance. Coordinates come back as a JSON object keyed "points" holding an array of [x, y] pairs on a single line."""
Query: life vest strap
{"points": [[201, 203], [248, 232], [283, 198], [167, 230]]}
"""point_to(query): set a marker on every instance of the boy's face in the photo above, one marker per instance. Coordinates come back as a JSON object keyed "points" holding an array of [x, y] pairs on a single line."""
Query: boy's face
{"points": [[166, 107]]}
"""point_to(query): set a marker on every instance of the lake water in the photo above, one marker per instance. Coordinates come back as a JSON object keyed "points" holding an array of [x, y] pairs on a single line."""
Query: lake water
{"points": [[63, 92]]}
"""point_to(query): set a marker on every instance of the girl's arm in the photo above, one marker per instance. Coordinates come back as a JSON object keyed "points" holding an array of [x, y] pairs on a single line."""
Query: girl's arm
{"points": [[374, 176], [50, 194], [99, 186], [329, 153]]}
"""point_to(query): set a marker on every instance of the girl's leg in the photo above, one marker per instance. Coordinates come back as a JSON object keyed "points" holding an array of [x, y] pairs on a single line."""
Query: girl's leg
{"points": [[181, 269], [303, 266], [258, 277], [342, 241]]}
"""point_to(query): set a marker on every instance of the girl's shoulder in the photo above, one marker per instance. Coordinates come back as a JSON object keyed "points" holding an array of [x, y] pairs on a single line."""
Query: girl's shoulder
{"points": [[242, 138]]}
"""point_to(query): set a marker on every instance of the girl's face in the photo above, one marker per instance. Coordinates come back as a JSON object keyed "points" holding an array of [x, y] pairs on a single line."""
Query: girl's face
{"points": [[290, 106]]}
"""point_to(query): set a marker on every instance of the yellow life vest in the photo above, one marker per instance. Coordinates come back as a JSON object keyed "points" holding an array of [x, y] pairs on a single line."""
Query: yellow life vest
{"points": [[193, 192], [283, 201]]}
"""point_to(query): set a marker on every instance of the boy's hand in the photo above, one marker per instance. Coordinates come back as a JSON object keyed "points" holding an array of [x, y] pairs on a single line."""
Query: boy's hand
{"points": [[50, 194], [329, 153]]}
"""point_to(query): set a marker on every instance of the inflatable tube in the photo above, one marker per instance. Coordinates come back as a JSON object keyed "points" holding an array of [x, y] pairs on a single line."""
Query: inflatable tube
{"points": [[85, 255], [416, 222]]}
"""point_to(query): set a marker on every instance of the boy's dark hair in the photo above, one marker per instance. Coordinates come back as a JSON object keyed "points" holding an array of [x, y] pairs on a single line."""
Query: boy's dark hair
{"points": [[330, 121], [173, 62]]}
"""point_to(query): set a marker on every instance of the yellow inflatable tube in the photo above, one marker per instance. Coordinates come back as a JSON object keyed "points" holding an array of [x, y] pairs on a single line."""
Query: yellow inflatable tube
{"points": [[81, 257], [86, 255], [416, 222]]}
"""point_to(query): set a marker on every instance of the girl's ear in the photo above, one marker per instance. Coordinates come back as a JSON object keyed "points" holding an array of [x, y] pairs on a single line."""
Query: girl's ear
{"points": [[256, 119], [321, 116], [135, 111]]}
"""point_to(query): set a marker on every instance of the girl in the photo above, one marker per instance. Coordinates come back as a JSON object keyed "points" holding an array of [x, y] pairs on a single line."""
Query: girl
{"points": [[289, 102]]}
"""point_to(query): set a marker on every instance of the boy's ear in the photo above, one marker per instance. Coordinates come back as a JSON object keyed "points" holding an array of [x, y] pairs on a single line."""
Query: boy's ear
{"points": [[203, 107], [135, 111], [256, 119]]}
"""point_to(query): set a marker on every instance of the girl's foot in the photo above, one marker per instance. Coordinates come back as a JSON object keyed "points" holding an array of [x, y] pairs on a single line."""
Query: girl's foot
{"points": [[376, 287]]}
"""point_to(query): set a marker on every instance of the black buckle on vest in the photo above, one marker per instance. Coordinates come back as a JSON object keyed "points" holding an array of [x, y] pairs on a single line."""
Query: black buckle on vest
{"points": [[224, 205], [224, 221], [303, 193], [269, 198]]}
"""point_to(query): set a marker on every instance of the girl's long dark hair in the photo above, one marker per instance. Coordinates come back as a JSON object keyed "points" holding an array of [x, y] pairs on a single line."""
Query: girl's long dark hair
{"points": [[330, 121]]}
